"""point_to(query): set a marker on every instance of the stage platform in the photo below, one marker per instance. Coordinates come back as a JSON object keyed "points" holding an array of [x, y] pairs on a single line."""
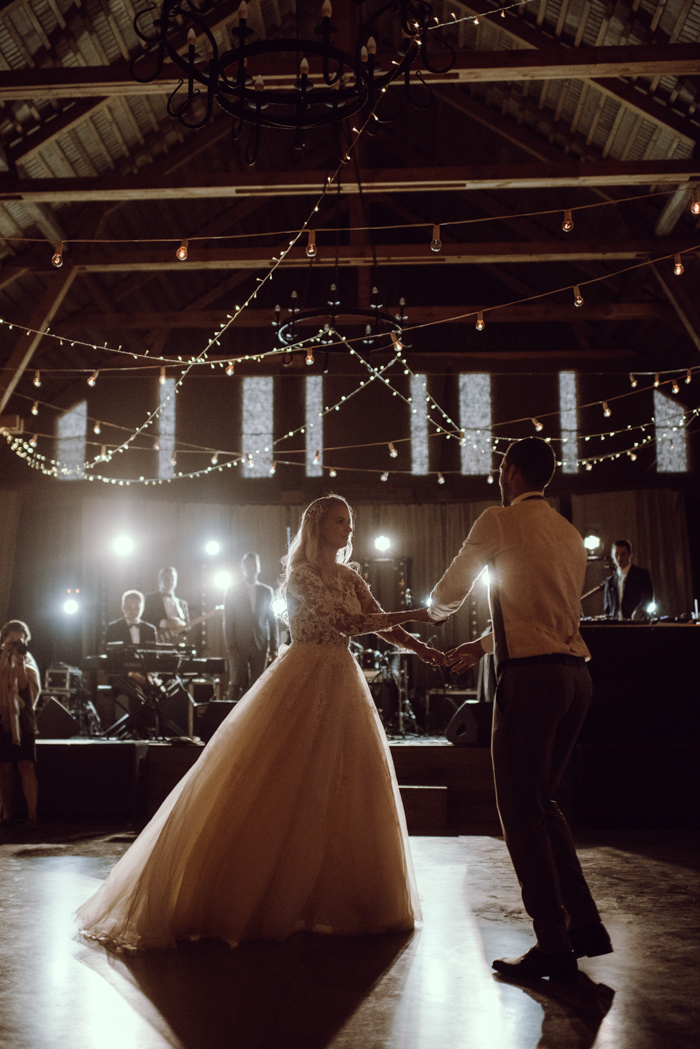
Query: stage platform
{"points": [[445, 789]]}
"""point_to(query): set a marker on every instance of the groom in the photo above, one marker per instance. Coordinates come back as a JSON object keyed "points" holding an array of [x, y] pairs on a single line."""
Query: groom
{"points": [[537, 564]]}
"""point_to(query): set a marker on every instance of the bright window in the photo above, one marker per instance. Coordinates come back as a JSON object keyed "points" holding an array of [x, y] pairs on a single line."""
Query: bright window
{"points": [[70, 443], [475, 420]]}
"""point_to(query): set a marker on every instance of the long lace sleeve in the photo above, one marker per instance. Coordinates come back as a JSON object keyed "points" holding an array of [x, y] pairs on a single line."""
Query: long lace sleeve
{"points": [[329, 606]]}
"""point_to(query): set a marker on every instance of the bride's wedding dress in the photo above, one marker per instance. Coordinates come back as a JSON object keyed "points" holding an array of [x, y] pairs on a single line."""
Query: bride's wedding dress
{"points": [[291, 818]]}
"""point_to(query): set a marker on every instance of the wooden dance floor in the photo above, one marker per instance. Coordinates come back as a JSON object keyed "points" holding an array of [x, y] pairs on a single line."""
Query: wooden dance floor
{"points": [[432, 989]]}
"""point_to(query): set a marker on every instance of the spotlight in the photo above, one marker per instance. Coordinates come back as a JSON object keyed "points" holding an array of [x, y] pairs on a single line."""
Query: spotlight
{"points": [[223, 579], [484, 577], [123, 545], [212, 547], [383, 543], [278, 606], [651, 607], [592, 543], [70, 607]]}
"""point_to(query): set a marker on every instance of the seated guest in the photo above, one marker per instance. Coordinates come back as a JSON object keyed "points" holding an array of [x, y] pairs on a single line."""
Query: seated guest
{"points": [[19, 692], [168, 613], [629, 590], [131, 629]]}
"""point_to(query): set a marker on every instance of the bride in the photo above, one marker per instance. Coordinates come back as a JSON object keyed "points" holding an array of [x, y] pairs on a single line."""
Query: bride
{"points": [[291, 819]]}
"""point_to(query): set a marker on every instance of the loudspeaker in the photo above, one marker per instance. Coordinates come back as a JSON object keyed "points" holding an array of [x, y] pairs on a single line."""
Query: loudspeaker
{"points": [[471, 725], [55, 722]]}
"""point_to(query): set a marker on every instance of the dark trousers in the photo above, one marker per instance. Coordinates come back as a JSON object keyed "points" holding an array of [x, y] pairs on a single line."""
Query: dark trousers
{"points": [[538, 713], [244, 664]]}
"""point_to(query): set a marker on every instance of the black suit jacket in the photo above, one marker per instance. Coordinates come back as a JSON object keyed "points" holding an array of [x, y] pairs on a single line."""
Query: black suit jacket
{"points": [[154, 609], [242, 625], [638, 592], [118, 630]]}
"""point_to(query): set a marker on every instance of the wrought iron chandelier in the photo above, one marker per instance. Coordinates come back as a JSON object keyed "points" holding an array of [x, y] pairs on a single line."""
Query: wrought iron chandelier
{"points": [[323, 85]]}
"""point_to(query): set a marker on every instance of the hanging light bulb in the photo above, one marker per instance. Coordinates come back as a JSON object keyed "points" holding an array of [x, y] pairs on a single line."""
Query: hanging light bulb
{"points": [[675, 388], [436, 243], [156, 445], [657, 381], [440, 479], [37, 379], [392, 451], [173, 458], [578, 297], [633, 381], [311, 245], [273, 468], [93, 378], [567, 222], [35, 408], [589, 466], [480, 322], [606, 410], [103, 454], [317, 457], [309, 356], [695, 201], [489, 479], [678, 266], [230, 368], [214, 458], [398, 345], [332, 472], [32, 440], [633, 456], [384, 477], [97, 428], [181, 252], [162, 378], [462, 438], [537, 424], [688, 376], [57, 257]]}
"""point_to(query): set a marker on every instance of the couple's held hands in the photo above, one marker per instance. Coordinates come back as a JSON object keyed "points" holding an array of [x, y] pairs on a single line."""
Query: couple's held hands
{"points": [[422, 615], [432, 656], [464, 656]]}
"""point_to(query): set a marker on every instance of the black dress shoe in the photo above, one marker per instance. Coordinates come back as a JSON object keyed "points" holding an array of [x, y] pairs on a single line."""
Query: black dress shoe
{"points": [[590, 940], [560, 968]]}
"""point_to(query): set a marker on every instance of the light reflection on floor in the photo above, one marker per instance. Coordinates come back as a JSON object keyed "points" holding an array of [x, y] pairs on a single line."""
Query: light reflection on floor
{"points": [[432, 988]]}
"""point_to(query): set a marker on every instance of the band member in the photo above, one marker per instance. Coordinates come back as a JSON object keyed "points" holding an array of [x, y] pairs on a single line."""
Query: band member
{"points": [[19, 692], [629, 589], [250, 628], [167, 612], [131, 629]]}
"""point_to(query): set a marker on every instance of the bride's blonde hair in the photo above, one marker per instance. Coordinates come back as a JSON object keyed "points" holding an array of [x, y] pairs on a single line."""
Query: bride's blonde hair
{"points": [[305, 547]]}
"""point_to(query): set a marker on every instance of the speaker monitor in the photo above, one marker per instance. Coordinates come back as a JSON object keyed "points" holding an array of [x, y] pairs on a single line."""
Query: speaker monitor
{"points": [[55, 722], [471, 725]]}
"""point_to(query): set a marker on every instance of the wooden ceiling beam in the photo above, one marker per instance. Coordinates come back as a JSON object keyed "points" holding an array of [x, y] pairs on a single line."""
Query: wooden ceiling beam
{"points": [[218, 184], [545, 63], [535, 313]]}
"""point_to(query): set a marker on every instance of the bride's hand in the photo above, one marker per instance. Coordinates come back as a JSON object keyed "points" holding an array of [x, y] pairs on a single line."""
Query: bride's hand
{"points": [[432, 656]]}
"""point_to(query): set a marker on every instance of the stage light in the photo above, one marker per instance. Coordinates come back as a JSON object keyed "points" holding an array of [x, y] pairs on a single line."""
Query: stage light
{"points": [[70, 606], [484, 577], [382, 542], [278, 606], [592, 543], [651, 607], [123, 545], [222, 580], [212, 547]]}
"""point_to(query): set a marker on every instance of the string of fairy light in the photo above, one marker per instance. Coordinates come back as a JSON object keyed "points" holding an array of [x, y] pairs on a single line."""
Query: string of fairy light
{"points": [[26, 449]]}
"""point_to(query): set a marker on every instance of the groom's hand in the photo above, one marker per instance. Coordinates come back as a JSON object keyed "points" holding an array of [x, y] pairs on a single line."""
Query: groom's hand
{"points": [[464, 656]]}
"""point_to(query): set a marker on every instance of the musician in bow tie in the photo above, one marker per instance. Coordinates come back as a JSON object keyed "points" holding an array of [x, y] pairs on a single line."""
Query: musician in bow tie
{"points": [[131, 628], [168, 612]]}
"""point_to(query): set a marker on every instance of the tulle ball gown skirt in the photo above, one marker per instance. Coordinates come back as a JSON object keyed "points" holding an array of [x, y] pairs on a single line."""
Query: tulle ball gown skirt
{"points": [[291, 819]]}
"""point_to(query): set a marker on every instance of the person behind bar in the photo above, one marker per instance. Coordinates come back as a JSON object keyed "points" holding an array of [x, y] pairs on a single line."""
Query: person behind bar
{"points": [[131, 629], [168, 612], [629, 590], [251, 634], [19, 692], [537, 564]]}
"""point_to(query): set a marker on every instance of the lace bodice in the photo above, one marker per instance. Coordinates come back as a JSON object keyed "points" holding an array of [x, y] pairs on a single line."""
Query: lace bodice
{"points": [[331, 614]]}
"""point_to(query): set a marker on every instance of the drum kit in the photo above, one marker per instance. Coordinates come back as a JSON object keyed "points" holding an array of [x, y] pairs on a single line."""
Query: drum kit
{"points": [[386, 673]]}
